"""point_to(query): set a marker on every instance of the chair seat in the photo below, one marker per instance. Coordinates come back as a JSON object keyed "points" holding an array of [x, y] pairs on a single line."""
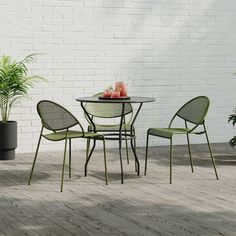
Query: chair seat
{"points": [[57, 136], [167, 132], [102, 128]]}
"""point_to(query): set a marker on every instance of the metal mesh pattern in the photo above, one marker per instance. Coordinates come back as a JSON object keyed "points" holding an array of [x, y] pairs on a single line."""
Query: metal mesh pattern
{"points": [[195, 110], [107, 110], [54, 116]]}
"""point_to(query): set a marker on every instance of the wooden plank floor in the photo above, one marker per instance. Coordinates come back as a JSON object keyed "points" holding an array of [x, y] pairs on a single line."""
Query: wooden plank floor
{"points": [[195, 204]]}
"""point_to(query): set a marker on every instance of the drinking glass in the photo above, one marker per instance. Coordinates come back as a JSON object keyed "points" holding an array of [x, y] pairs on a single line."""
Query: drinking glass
{"points": [[121, 84]]}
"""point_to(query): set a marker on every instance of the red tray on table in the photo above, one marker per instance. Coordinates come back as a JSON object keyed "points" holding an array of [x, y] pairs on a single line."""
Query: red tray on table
{"points": [[110, 98]]}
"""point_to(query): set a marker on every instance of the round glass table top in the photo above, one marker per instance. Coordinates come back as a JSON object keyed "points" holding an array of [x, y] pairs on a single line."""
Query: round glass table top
{"points": [[116, 100]]}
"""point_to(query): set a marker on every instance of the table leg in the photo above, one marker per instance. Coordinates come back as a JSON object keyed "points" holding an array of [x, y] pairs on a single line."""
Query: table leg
{"points": [[133, 142], [90, 119], [89, 154], [137, 167]]}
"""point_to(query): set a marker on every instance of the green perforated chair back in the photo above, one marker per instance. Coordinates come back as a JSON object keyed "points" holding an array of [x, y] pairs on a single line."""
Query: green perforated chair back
{"points": [[54, 116], [107, 110], [195, 110]]}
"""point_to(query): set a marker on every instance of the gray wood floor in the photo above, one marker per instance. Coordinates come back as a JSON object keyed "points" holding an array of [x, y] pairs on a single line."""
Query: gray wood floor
{"points": [[195, 204]]}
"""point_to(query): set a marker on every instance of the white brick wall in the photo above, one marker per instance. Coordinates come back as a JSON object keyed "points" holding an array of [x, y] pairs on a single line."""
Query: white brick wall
{"points": [[171, 49]]}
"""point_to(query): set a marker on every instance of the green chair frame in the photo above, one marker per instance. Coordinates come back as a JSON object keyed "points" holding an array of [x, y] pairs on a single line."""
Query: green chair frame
{"points": [[108, 111], [59, 120], [193, 112], [112, 127]]}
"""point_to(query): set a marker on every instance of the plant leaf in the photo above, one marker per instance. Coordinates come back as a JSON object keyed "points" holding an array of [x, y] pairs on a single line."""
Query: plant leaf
{"points": [[14, 82]]}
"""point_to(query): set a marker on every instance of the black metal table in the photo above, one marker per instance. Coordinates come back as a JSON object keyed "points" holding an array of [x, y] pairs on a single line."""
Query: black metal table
{"points": [[121, 136]]}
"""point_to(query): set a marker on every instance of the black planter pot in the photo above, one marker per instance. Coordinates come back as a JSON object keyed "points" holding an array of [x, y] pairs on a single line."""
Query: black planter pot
{"points": [[8, 140]]}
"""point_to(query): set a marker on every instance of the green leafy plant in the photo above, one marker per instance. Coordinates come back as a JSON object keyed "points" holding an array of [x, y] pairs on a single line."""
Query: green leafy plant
{"points": [[232, 119], [14, 82]]}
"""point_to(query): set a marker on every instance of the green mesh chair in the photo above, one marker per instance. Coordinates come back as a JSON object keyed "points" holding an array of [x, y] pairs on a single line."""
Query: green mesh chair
{"points": [[194, 113], [100, 110], [108, 111], [59, 121]]}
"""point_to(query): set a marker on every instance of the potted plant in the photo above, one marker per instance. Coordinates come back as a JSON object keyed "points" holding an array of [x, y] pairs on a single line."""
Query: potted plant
{"points": [[232, 118], [14, 85]]}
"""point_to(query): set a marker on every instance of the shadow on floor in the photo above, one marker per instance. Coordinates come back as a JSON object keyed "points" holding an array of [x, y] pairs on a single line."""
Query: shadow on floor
{"points": [[98, 214], [224, 155], [19, 177], [112, 176]]}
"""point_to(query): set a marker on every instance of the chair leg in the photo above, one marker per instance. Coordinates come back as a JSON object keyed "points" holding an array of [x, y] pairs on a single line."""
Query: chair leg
{"points": [[105, 161], [63, 165], [69, 158], [127, 150], [90, 154], [133, 133], [171, 157], [121, 165], [35, 157], [126, 142], [88, 146], [146, 156], [212, 158], [136, 158], [189, 151]]}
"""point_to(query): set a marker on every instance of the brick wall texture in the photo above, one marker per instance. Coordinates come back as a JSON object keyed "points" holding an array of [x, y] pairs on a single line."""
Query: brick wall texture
{"points": [[171, 50]]}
